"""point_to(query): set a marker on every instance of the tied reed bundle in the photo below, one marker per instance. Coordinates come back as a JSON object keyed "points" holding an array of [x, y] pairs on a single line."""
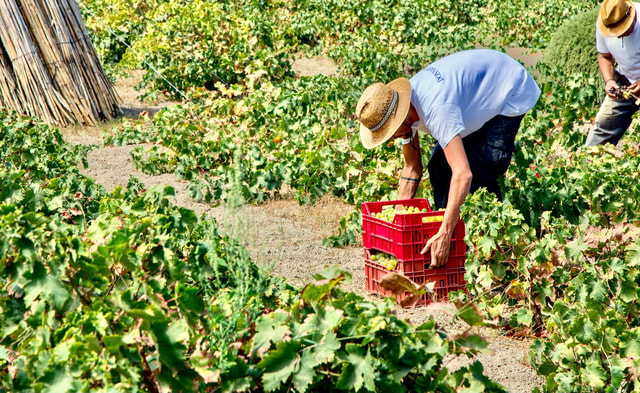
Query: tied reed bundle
{"points": [[48, 66]]}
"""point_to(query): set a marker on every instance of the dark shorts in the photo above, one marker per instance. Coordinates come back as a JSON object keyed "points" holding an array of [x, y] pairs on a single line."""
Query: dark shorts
{"points": [[489, 153]]}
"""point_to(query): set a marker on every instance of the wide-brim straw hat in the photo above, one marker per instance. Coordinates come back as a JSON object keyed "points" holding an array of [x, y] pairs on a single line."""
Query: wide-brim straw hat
{"points": [[381, 111], [615, 17]]}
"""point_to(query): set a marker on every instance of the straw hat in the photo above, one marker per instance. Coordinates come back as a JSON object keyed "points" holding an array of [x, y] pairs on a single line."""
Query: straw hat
{"points": [[615, 17], [381, 110]]}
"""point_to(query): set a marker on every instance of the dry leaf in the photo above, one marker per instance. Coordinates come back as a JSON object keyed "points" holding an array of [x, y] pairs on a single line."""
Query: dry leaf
{"points": [[398, 283], [445, 307], [410, 300]]}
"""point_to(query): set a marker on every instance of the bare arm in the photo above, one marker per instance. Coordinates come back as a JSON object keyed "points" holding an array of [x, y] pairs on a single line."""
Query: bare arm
{"points": [[412, 171], [459, 188], [608, 71]]}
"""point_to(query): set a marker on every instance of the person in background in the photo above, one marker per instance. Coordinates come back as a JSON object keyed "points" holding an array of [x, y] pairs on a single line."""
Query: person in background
{"points": [[472, 103], [617, 43]]}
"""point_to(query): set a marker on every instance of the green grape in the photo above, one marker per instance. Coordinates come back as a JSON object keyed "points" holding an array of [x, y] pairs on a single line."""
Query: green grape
{"points": [[389, 262], [392, 264], [432, 219]]}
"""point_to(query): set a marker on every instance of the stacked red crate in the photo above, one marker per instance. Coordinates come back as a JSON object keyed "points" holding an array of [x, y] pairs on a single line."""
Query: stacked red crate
{"points": [[404, 238]]}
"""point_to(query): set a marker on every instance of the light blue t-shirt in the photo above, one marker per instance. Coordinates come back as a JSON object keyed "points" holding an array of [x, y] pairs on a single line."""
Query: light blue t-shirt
{"points": [[458, 94]]}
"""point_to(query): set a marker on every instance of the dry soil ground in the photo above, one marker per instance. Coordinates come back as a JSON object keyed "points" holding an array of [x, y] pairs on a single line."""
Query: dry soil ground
{"points": [[288, 237]]}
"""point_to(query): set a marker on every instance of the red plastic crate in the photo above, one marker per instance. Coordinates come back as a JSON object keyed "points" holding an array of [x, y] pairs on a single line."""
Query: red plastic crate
{"points": [[407, 235], [448, 278]]}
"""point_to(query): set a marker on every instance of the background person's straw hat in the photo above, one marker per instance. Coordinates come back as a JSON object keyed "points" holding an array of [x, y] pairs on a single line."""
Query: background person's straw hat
{"points": [[381, 110], [615, 17]]}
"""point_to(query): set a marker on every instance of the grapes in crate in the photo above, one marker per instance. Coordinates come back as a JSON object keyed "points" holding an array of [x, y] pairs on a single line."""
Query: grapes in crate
{"points": [[389, 212], [386, 260], [432, 219]]}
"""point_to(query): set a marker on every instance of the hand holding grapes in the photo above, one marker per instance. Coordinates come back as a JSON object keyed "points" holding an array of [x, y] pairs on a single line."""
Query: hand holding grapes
{"points": [[623, 92], [634, 89], [612, 89]]}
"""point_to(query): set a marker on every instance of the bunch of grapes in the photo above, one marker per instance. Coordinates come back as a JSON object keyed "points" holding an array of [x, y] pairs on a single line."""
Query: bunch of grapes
{"points": [[386, 260], [389, 212], [432, 219], [623, 93], [627, 95]]}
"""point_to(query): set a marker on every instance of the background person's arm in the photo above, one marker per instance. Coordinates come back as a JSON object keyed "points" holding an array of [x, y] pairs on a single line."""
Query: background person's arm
{"points": [[608, 71]]}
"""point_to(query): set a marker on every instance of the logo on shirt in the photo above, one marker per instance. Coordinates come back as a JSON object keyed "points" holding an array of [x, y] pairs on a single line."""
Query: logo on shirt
{"points": [[435, 73]]}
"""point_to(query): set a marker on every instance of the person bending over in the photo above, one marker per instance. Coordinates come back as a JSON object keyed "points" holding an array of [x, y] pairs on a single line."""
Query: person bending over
{"points": [[472, 103]]}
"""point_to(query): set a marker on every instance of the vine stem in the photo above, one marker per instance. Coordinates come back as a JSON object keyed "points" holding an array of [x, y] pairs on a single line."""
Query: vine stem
{"points": [[83, 299], [147, 374]]}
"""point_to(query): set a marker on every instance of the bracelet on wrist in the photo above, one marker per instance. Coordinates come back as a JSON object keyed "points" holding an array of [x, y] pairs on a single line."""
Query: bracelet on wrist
{"points": [[607, 81]]}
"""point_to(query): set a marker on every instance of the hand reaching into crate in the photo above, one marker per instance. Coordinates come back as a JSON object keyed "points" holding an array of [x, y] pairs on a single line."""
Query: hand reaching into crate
{"points": [[439, 246]]}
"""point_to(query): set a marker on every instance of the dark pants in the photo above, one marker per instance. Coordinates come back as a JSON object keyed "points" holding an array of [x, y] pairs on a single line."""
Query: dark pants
{"points": [[489, 153]]}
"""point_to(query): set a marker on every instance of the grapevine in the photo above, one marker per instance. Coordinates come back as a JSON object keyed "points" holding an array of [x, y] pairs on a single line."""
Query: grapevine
{"points": [[122, 292]]}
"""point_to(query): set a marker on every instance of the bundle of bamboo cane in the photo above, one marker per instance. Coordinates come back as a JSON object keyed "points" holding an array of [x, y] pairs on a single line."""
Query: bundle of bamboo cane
{"points": [[48, 66]]}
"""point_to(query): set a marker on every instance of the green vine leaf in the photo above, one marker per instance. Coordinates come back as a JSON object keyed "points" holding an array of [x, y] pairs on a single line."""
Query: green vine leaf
{"points": [[170, 341], [630, 344], [325, 351], [58, 381], [358, 371], [270, 328], [594, 375], [305, 374], [280, 364], [190, 298]]}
